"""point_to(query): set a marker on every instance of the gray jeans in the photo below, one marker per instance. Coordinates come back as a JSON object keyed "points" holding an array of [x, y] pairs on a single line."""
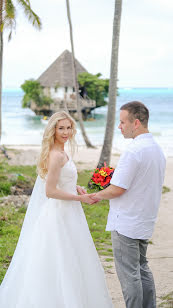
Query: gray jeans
{"points": [[136, 279]]}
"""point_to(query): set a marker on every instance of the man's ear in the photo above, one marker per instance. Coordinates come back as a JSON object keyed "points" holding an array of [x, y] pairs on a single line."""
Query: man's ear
{"points": [[137, 123]]}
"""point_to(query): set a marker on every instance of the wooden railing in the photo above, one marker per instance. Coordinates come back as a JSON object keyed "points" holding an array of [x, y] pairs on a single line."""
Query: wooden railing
{"points": [[62, 104], [71, 104]]}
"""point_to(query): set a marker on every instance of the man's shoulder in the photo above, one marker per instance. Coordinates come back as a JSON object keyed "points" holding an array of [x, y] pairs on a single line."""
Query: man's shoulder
{"points": [[133, 148], [136, 148], [145, 149], [139, 145], [131, 153]]}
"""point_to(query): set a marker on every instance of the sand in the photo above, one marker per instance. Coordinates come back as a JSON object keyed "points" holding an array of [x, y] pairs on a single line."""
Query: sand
{"points": [[160, 252]]}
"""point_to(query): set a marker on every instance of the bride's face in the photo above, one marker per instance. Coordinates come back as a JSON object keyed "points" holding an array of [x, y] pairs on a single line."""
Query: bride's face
{"points": [[63, 131]]}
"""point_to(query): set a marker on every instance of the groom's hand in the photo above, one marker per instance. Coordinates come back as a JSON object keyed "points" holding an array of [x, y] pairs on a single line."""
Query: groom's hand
{"points": [[86, 199], [95, 197]]}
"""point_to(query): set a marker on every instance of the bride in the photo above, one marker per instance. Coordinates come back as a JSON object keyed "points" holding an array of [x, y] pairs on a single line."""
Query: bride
{"points": [[55, 264]]}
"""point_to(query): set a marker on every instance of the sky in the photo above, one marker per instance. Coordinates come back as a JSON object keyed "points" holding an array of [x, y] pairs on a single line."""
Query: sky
{"points": [[145, 50]]}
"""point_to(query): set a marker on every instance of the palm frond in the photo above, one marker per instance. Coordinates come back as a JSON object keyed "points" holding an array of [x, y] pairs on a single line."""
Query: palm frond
{"points": [[9, 23], [32, 17], [10, 10], [8, 17]]}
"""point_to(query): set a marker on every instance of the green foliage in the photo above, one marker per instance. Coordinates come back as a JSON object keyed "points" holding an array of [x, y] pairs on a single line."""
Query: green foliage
{"points": [[109, 259], [8, 18], [5, 189], [21, 177], [96, 87], [34, 91], [167, 300], [84, 176], [20, 173], [165, 189], [11, 220]]}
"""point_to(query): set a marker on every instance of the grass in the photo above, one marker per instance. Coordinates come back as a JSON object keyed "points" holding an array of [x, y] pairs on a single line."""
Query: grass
{"points": [[11, 220], [20, 177], [167, 301], [165, 189], [109, 259]]}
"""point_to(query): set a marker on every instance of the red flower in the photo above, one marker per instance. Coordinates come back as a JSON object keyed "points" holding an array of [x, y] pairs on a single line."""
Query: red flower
{"points": [[101, 177]]}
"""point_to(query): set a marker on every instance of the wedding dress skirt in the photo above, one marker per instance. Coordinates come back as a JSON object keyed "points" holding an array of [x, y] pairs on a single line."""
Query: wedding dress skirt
{"points": [[55, 264]]}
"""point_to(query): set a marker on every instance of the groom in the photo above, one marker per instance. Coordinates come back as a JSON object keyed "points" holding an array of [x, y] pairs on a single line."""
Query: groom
{"points": [[134, 194]]}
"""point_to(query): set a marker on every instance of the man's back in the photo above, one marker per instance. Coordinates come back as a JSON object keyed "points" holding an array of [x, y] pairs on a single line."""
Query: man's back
{"points": [[141, 172]]}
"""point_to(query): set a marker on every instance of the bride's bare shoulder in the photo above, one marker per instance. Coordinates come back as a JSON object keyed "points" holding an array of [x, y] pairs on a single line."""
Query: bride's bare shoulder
{"points": [[55, 156]]}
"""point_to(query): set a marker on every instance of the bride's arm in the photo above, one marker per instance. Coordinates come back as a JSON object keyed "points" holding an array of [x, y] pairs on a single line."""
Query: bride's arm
{"points": [[54, 168]]}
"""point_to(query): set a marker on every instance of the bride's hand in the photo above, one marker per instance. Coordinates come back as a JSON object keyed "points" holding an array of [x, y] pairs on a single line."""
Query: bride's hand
{"points": [[86, 199], [81, 190]]}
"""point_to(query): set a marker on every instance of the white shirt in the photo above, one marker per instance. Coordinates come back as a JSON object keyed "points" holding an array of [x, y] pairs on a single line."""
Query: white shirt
{"points": [[140, 171]]}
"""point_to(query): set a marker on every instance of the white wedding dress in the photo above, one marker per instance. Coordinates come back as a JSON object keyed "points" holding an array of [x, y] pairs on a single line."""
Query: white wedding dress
{"points": [[55, 264]]}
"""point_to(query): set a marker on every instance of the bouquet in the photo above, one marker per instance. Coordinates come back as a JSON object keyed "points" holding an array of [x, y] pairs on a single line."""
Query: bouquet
{"points": [[101, 177]]}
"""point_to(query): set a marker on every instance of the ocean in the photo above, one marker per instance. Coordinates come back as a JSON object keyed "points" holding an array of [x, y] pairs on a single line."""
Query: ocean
{"points": [[21, 126]]}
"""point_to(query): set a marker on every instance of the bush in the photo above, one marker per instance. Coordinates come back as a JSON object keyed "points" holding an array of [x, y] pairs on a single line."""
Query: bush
{"points": [[34, 91], [96, 87]]}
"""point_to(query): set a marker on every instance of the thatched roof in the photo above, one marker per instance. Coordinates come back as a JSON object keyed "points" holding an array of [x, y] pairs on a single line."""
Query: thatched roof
{"points": [[59, 73]]}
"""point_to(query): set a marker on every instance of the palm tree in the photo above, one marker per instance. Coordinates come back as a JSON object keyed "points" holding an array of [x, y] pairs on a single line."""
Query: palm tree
{"points": [[110, 124], [8, 21], [88, 143]]}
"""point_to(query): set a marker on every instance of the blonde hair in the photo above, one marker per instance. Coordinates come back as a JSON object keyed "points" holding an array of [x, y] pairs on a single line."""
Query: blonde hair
{"points": [[48, 140]]}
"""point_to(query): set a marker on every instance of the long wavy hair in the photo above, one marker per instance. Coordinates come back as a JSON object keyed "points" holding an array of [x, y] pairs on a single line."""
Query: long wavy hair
{"points": [[49, 139]]}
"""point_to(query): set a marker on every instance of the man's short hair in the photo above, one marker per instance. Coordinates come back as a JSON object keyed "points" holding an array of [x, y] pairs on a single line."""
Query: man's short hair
{"points": [[137, 110]]}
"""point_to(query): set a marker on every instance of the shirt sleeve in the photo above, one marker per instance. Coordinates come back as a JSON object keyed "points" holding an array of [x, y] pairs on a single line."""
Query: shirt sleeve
{"points": [[125, 171]]}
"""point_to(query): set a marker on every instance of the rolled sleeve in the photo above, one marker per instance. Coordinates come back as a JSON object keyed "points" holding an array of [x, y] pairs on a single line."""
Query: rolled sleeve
{"points": [[125, 171]]}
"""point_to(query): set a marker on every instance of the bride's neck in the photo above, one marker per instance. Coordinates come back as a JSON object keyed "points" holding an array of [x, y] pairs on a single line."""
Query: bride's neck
{"points": [[59, 147]]}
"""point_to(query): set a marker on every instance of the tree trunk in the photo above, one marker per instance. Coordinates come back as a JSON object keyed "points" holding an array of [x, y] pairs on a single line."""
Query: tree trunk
{"points": [[110, 123], [88, 143], [1, 57]]}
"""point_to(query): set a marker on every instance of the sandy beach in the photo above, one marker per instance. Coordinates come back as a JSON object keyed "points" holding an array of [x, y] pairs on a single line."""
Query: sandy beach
{"points": [[160, 252]]}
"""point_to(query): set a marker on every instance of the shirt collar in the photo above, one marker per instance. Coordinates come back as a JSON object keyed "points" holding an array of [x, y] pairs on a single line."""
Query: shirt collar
{"points": [[142, 136]]}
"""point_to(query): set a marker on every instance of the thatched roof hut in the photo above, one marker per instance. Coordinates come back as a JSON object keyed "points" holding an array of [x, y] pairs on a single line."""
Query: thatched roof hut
{"points": [[57, 82], [60, 72]]}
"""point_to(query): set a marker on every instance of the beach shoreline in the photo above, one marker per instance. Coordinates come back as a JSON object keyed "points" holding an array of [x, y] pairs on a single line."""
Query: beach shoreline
{"points": [[84, 158]]}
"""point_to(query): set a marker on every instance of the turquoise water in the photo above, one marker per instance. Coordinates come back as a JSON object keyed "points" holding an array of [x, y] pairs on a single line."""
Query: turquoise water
{"points": [[21, 126]]}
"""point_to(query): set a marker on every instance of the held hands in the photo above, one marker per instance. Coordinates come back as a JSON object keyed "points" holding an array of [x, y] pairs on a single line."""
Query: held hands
{"points": [[81, 190], [87, 198], [95, 197]]}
